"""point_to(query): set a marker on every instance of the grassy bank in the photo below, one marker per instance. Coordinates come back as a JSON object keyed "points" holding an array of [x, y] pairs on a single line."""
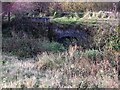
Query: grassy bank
{"points": [[40, 63], [72, 68], [54, 66]]}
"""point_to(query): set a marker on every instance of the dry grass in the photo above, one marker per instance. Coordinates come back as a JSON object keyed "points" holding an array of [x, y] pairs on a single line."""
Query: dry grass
{"points": [[70, 69]]}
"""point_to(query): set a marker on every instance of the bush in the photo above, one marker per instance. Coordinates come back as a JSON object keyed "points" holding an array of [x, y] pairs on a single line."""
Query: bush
{"points": [[29, 47], [114, 43], [54, 47], [92, 54]]}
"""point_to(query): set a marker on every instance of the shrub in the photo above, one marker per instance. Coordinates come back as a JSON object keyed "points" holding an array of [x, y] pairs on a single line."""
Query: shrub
{"points": [[114, 43], [29, 47], [92, 54], [54, 47]]}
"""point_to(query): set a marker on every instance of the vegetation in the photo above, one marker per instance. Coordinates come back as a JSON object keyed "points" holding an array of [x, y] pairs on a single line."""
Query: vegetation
{"points": [[31, 58], [73, 21], [71, 69], [29, 47]]}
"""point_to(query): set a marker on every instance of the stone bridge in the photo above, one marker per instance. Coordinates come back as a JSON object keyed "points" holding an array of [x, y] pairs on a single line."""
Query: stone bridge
{"points": [[79, 36]]}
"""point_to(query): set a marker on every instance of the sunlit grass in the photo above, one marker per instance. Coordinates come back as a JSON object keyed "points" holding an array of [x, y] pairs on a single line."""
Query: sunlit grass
{"points": [[73, 20]]}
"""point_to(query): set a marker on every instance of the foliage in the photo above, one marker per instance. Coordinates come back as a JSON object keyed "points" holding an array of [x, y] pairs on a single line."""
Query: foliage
{"points": [[50, 64], [114, 43], [50, 7], [58, 70], [65, 20], [73, 21], [92, 54], [54, 47], [107, 37], [29, 47]]}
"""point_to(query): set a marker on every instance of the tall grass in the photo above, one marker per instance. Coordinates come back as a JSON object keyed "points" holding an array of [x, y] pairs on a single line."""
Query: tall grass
{"points": [[70, 69], [29, 47], [51, 65]]}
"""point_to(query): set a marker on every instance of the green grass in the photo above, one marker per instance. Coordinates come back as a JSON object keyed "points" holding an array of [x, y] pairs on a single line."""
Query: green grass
{"points": [[54, 47], [73, 20]]}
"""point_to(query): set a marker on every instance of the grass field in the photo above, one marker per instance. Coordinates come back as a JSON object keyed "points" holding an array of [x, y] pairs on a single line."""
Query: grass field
{"points": [[38, 63], [72, 68]]}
